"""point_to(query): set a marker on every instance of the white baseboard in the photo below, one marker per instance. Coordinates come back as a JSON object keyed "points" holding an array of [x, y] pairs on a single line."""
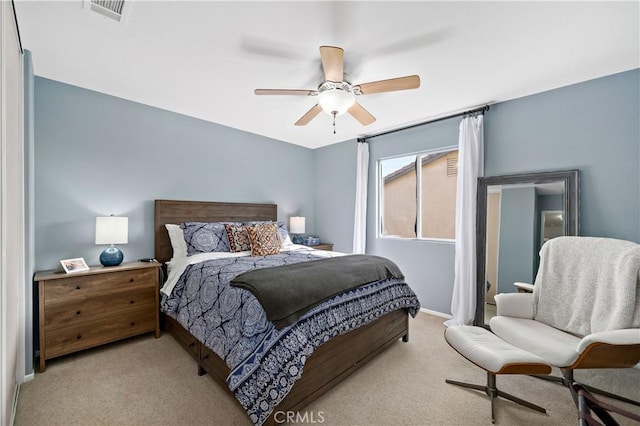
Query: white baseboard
{"points": [[436, 313], [14, 406]]}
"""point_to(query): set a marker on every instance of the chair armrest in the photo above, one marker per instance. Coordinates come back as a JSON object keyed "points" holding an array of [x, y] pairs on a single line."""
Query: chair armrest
{"points": [[627, 336], [524, 287], [516, 305]]}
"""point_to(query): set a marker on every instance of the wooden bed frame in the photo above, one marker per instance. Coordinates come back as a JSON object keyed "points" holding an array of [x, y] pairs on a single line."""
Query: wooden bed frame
{"points": [[328, 365]]}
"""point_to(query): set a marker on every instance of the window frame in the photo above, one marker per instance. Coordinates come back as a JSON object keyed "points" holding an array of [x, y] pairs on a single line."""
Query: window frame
{"points": [[380, 196]]}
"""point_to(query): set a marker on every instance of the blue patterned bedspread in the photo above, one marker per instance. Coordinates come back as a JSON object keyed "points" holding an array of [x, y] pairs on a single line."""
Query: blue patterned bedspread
{"points": [[266, 362]]}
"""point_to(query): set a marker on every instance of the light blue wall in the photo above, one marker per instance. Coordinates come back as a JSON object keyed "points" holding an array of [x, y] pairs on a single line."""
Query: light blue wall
{"points": [[592, 126], [517, 237], [97, 155], [549, 202], [335, 183]]}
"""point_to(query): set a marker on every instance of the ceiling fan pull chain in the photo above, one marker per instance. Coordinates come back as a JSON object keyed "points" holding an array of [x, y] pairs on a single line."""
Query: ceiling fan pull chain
{"points": [[334, 122]]}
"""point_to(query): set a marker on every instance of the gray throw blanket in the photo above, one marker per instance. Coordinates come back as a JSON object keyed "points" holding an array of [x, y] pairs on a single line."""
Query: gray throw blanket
{"points": [[586, 284], [287, 292]]}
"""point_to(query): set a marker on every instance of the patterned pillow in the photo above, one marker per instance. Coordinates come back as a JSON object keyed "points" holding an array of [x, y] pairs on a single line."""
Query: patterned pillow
{"points": [[283, 233], [264, 239], [238, 237], [202, 237]]}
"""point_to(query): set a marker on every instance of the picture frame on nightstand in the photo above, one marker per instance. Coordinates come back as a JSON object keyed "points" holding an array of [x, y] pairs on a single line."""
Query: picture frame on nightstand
{"points": [[71, 266]]}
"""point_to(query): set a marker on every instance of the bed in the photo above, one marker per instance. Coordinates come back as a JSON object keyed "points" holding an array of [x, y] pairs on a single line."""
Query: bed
{"points": [[328, 365]]}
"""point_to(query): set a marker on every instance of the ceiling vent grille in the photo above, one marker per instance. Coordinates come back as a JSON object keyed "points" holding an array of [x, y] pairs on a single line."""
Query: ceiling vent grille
{"points": [[113, 9]]}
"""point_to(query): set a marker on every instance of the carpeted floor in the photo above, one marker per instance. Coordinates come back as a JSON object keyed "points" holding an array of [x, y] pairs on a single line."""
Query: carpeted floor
{"points": [[148, 381]]}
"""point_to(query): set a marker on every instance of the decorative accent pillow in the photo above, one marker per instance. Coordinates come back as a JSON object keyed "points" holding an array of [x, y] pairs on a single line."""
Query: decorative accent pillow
{"points": [[176, 236], [283, 232], [238, 237], [264, 239], [202, 237]]}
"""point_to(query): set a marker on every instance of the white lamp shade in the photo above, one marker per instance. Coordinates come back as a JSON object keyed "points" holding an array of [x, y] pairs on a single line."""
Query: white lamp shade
{"points": [[112, 230], [296, 225], [336, 101]]}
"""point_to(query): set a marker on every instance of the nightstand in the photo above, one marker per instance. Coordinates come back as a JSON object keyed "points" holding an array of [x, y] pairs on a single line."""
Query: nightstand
{"points": [[323, 246], [85, 309]]}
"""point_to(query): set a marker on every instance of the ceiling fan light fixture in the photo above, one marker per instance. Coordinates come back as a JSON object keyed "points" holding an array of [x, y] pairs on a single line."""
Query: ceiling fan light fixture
{"points": [[336, 101], [336, 95]]}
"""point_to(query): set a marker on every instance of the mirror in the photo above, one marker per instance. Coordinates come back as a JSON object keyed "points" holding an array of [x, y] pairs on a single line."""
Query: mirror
{"points": [[516, 215]]}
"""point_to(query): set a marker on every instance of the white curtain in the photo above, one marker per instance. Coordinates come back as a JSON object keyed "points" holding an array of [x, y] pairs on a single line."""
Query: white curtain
{"points": [[470, 167], [362, 178]]}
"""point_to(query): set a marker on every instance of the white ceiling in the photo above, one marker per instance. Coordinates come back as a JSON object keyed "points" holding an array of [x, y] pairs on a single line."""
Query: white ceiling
{"points": [[203, 59]]}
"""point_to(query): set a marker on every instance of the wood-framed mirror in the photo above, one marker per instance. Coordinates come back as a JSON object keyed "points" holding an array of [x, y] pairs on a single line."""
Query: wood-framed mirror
{"points": [[516, 214]]}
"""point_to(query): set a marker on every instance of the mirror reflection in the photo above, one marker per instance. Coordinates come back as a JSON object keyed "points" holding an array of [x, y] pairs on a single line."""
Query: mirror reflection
{"points": [[552, 224], [516, 215]]}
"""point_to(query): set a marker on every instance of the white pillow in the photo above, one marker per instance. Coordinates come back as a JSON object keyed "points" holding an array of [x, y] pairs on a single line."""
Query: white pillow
{"points": [[177, 241]]}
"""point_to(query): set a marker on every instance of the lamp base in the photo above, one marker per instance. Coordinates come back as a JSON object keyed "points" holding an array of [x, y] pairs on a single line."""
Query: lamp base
{"points": [[297, 239], [111, 256]]}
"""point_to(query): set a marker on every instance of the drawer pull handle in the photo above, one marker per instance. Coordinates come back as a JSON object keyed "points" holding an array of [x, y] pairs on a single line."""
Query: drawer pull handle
{"points": [[192, 344], [206, 357], [78, 337], [132, 324], [77, 287], [77, 312], [131, 280], [132, 302]]}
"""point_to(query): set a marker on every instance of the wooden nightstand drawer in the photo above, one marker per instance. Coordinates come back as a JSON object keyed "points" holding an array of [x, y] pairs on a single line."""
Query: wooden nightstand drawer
{"points": [[84, 335], [81, 311], [88, 286]]}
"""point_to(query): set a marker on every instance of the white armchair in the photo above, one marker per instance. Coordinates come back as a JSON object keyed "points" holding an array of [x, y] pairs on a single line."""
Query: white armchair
{"points": [[584, 311]]}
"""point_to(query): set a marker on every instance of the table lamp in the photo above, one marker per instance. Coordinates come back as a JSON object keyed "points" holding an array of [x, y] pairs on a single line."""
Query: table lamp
{"points": [[296, 227], [112, 230]]}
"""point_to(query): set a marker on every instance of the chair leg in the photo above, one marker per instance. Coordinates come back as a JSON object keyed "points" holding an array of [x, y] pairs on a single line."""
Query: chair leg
{"points": [[493, 392], [521, 401], [611, 395], [587, 403], [555, 379], [567, 380]]}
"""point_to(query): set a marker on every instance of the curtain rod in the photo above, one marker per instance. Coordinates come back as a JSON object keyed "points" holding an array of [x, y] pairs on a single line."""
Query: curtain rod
{"points": [[472, 111]]}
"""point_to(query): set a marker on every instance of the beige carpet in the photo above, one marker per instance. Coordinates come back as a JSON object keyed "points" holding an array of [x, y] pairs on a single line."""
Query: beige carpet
{"points": [[148, 381]]}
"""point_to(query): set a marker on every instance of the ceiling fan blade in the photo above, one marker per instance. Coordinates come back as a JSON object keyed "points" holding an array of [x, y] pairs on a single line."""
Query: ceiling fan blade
{"points": [[301, 92], [393, 84], [309, 115], [362, 115], [332, 62]]}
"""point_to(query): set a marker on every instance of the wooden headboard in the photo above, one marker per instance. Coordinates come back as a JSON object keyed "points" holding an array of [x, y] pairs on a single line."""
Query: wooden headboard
{"points": [[172, 211]]}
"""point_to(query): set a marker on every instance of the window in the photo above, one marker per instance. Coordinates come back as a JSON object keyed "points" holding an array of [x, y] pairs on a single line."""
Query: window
{"points": [[418, 202]]}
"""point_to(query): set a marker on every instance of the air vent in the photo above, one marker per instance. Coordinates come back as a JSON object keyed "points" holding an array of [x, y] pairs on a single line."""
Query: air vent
{"points": [[452, 165], [113, 9]]}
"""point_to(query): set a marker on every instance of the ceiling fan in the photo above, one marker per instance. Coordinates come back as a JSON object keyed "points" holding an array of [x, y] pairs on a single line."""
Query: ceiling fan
{"points": [[337, 96]]}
